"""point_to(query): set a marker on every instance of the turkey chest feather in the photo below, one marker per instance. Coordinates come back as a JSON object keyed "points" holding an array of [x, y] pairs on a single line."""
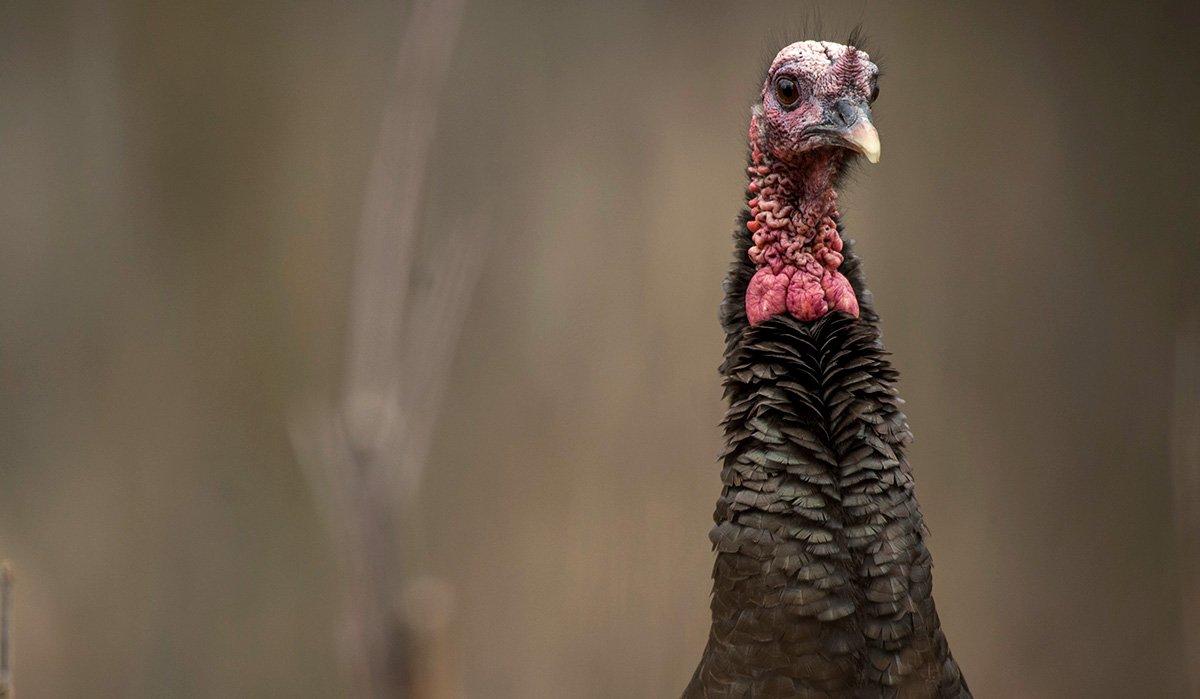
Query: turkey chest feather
{"points": [[822, 583]]}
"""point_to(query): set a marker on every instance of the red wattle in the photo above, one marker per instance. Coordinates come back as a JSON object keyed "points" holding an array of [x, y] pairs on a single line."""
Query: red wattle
{"points": [[840, 294], [805, 297], [766, 296]]}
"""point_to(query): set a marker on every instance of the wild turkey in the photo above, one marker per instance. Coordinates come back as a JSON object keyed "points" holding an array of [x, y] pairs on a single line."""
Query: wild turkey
{"points": [[822, 579]]}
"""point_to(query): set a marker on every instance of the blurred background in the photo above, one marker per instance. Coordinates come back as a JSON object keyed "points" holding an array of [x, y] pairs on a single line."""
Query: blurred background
{"points": [[182, 185]]}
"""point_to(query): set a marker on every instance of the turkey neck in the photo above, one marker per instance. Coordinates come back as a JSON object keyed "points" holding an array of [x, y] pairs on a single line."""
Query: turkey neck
{"points": [[791, 213], [788, 204], [797, 249], [807, 181]]}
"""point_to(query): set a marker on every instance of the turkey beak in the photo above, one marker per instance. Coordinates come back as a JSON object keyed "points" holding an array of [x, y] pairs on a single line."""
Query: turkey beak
{"points": [[863, 138], [853, 126]]}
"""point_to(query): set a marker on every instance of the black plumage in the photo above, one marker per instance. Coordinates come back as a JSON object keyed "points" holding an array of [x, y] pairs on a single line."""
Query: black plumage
{"points": [[822, 581]]}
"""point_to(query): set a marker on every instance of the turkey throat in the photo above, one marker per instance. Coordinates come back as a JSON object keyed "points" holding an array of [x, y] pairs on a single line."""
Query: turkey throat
{"points": [[797, 250]]}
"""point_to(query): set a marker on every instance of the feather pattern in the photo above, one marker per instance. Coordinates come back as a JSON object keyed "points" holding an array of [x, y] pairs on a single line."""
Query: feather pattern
{"points": [[822, 582]]}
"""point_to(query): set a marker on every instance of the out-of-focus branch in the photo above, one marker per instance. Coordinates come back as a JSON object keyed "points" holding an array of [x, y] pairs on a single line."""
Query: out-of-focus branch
{"points": [[364, 456], [6, 584]]}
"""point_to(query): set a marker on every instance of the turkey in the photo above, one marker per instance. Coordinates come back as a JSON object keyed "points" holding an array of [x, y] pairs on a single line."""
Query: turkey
{"points": [[821, 585]]}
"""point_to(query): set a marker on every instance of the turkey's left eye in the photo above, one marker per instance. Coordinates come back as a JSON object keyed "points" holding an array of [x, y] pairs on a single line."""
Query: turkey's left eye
{"points": [[787, 91]]}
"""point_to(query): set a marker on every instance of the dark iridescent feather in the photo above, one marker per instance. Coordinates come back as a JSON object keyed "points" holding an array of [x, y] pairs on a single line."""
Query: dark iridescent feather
{"points": [[822, 580]]}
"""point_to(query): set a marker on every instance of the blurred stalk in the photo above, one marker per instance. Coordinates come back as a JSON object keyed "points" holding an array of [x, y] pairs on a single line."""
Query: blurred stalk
{"points": [[6, 583], [364, 457]]}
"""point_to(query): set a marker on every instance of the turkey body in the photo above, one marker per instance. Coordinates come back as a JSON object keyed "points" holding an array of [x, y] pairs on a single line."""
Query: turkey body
{"points": [[822, 582]]}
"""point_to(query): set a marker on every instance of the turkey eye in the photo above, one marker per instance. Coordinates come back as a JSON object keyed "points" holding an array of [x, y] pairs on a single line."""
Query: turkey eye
{"points": [[874, 93], [787, 91]]}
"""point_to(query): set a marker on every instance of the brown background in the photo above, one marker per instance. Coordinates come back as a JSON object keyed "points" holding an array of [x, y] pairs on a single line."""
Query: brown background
{"points": [[180, 184]]}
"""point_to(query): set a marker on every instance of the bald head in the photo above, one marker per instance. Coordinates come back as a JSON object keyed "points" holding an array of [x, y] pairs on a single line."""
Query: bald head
{"points": [[818, 93]]}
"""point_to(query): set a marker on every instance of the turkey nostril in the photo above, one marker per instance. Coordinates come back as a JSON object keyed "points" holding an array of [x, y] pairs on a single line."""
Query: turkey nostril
{"points": [[845, 113]]}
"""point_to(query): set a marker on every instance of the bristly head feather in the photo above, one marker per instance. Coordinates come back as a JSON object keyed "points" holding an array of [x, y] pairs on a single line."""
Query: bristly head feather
{"points": [[812, 26]]}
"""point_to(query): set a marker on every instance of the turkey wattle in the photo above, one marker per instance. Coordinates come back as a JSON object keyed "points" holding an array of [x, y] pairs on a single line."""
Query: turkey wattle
{"points": [[822, 580]]}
